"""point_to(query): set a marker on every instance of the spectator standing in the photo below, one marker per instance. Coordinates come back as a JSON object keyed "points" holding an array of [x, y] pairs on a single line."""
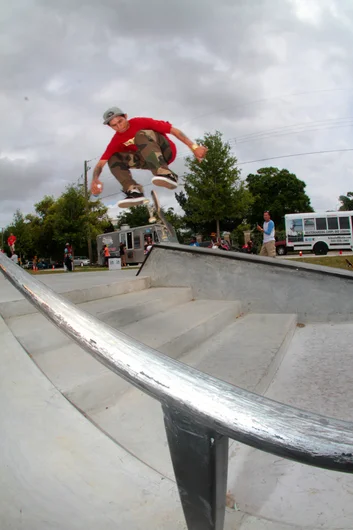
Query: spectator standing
{"points": [[122, 249], [68, 250], [268, 247], [68, 261], [106, 256], [11, 240], [148, 243], [194, 242]]}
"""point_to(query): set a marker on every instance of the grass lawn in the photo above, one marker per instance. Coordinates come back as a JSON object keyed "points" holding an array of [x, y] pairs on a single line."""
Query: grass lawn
{"points": [[77, 269], [338, 262]]}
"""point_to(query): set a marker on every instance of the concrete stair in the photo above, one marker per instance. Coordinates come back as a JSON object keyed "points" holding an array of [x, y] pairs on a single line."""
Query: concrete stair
{"points": [[211, 335], [306, 366], [174, 323], [245, 353], [77, 288]]}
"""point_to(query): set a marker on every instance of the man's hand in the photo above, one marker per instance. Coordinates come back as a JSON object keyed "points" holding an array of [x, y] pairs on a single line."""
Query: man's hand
{"points": [[200, 152], [96, 187], [260, 229]]}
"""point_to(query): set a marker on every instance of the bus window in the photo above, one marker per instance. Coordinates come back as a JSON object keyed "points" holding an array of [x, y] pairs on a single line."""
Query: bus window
{"points": [[344, 223], [321, 223], [309, 224], [295, 230], [332, 223], [137, 241], [129, 240]]}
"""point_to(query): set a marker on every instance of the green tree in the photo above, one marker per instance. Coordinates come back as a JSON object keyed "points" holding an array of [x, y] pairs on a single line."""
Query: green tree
{"points": [[347, 202], [214, 193], [137, 216], [57, 222], [21, 229], [278, 191], [69, 220]]}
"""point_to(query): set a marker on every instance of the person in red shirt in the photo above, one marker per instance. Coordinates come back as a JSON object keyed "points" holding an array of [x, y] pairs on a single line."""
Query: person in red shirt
{"points": [[11, 240], [140, 143], [106, 255]]}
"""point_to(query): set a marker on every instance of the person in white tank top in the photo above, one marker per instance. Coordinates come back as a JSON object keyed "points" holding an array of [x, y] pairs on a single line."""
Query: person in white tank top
{"points": [[269, 246]]}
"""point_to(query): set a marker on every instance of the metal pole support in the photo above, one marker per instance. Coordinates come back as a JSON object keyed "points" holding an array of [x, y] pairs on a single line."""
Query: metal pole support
{"points": [[200, 461]]}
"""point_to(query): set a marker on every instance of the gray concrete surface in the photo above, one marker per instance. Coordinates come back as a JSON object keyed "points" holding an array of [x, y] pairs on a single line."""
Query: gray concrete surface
{"points": [[230, 353], [119, 469], [184, 326], [316, 375], [58, 471], [118, 311], [77, 287], [262, 284]]}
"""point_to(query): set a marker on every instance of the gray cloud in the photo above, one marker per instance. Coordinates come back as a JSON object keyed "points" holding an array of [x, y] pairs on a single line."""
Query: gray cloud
{"points": [[236, 66]]}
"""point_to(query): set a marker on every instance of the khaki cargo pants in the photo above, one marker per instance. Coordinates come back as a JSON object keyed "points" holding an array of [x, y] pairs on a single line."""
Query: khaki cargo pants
{"points": [[268, 249], [153, 153]]}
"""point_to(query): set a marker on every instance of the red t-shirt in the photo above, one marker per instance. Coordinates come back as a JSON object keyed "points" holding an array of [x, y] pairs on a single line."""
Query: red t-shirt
{"points": [[123, 142], [11, 240]]}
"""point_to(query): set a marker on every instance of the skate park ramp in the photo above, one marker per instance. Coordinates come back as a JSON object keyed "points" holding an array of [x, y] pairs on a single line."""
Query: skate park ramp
{"points": [[84, 448]]}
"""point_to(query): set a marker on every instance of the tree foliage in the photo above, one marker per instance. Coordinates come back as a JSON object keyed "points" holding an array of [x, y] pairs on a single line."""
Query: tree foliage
{"points": [[56, 222], [137, 216], [346, 202], [278, 191], [214, 192]]}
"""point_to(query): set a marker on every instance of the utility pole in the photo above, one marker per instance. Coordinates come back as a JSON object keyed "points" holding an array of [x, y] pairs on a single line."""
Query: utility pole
{"points": [[89, 240]]}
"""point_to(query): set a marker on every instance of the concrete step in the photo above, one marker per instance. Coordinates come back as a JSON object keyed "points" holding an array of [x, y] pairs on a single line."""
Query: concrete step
{"points": [[248, 352], [174, 331], [245, 353], [78, 288], [120, 310], [80, 377], [184, 326], [316, 375]]}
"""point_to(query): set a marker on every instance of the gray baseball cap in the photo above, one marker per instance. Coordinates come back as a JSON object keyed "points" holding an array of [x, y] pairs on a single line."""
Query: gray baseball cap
{"points": [[111, 113]]}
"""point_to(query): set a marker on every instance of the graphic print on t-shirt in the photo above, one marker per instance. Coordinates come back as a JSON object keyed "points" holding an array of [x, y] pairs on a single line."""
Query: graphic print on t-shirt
{"points": [[130, 142]]}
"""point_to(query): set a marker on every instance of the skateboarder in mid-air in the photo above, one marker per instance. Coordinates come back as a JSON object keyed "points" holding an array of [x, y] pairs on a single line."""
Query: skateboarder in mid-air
{"points": [[140, 143]]}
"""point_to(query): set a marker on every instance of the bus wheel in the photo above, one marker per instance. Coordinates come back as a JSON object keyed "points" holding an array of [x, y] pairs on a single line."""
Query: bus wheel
{"points": [[320, 249], [281, 251]]}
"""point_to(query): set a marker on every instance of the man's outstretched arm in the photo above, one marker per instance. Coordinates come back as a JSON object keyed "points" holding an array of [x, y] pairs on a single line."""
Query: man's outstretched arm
{"points": [[95, 189], [199, 150], [98, 169]]}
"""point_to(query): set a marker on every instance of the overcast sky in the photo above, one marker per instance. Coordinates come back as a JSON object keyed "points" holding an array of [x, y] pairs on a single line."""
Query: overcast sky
{"points": [[240, 66]]}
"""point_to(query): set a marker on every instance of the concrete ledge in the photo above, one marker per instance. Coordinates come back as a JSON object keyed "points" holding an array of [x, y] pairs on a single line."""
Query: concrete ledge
{"points": [[251, 258], [317, 294]]}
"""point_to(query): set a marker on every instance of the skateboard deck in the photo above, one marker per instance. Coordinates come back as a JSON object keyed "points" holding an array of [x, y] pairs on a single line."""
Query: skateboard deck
{"points": [[157, 215]]}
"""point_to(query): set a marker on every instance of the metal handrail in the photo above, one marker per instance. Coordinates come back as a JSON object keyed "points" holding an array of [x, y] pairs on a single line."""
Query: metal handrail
{"points": [[239, 414]]}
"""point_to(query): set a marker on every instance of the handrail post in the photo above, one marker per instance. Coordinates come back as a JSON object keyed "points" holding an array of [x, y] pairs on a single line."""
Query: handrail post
{"points": [[200, 462]]}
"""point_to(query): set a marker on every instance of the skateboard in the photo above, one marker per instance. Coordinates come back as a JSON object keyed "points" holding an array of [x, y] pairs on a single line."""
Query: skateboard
{"points": [[157, 215]]}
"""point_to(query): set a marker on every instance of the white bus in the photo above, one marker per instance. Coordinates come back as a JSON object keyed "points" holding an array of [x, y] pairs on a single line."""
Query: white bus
{"points": [[319, 232]]}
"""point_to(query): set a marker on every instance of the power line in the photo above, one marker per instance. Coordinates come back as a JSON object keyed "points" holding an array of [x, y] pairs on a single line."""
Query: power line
{"points": [[262, 100], [295, 154], [301, 124]]}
